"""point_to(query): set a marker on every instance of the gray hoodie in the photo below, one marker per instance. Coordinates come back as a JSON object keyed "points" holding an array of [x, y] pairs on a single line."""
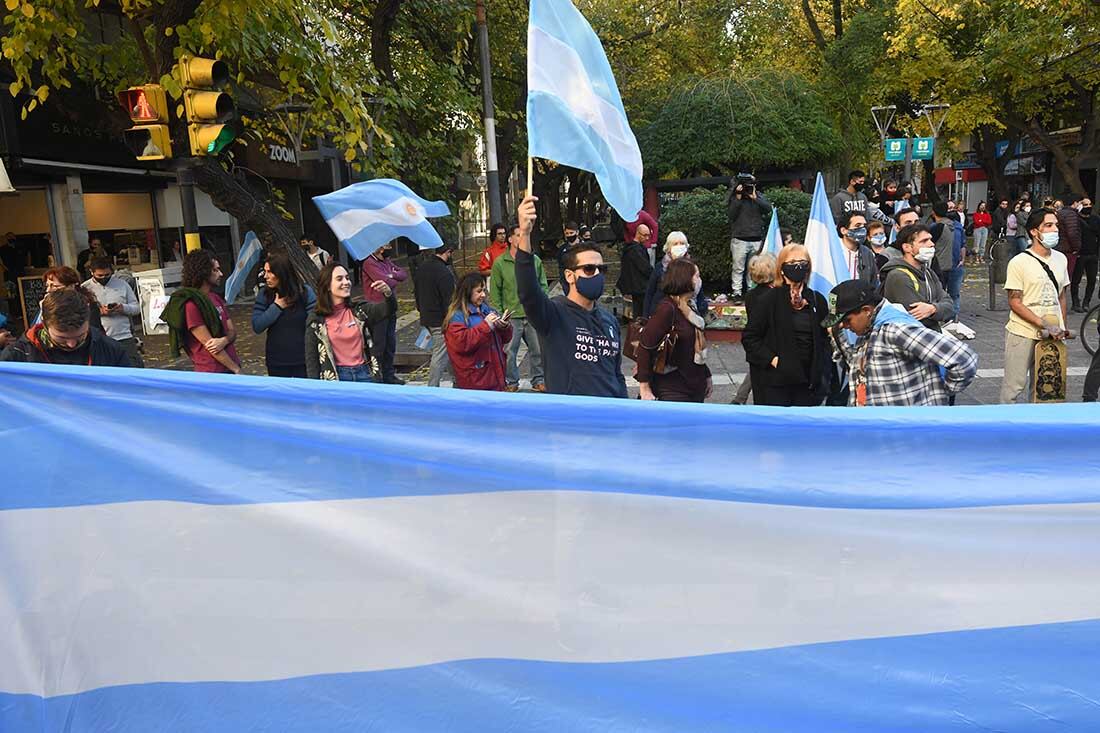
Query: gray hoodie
{"points": [[904, 284]]}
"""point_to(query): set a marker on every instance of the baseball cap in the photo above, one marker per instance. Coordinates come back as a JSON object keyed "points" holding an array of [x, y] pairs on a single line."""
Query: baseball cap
{"points": [[848, 297]]}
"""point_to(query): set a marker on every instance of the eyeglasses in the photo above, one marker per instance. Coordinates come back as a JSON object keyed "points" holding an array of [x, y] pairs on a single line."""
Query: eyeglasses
{"points": [[590, 270]]}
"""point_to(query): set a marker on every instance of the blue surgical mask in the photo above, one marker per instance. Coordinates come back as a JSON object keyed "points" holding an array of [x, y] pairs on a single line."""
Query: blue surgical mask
{"points": [[1049, 239], [590, 287]]}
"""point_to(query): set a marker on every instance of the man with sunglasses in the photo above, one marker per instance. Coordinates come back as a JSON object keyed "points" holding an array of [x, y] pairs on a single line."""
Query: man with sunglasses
{"points": [[581, 341], [65, 337]]}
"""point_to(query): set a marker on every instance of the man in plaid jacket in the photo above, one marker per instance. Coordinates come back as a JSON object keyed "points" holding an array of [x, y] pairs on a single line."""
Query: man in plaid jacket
{"points": [[895, 359]]}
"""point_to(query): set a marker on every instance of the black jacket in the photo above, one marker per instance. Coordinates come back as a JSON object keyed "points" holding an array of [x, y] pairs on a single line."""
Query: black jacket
{"points": [[435, 283], [747, 216], [770, 333], [581, 349], [635, 272], [99, 350], [1090, 235]]}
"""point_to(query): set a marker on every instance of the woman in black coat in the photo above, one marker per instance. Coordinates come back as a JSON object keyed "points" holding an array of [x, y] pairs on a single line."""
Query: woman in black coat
{"points": [[785, 344]]}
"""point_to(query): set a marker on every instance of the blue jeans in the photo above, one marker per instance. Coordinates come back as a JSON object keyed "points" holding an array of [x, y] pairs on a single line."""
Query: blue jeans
{"points": [[522, 330], [954, 286], [359, 373], [1022, 243]]}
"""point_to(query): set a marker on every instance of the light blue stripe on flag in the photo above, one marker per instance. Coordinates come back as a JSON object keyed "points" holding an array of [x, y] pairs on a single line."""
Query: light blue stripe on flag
{"points": [[823, 244], [249, 255], [575, 115], [365, 216], [773, 242]]}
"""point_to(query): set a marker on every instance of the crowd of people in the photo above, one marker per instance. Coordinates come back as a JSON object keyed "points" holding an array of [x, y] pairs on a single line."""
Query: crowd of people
{"points": [[878, 338]]}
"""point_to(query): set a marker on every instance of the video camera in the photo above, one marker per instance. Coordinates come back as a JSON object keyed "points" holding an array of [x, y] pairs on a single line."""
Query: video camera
{"points": [[747, 181]]}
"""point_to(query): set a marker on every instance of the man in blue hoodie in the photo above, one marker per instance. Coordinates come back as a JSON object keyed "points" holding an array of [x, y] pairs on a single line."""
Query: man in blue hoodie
{"points": [[581, 342]]}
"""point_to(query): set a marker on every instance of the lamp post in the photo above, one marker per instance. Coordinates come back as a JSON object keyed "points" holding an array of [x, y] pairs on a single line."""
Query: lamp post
{"points": [[492, 175]]}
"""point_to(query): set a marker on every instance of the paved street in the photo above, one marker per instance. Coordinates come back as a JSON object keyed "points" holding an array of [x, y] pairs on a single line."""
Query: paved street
{"points": [[727, 359]]}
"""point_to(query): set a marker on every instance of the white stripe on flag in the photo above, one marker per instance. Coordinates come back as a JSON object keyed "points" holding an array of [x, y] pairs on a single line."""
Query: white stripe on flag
{"points": [[273, 591], [556, 69], [401, 212]]}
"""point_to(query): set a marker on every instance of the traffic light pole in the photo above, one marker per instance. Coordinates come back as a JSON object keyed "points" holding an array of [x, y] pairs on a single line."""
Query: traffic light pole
{"points": [[186, 180], [908, 175], [492, 174]]}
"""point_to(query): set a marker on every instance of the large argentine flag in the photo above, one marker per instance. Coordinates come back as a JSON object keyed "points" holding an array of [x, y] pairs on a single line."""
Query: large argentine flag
{"points": [[823, 243], [241, 553], [574, 113], [365, 216]]}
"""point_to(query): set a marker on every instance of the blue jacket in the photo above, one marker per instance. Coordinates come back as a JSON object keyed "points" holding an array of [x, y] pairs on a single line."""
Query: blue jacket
{"points": [[960, 242]]}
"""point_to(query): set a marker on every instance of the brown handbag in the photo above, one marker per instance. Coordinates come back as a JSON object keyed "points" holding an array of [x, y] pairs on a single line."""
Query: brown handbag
{"points": [[663, 351]]}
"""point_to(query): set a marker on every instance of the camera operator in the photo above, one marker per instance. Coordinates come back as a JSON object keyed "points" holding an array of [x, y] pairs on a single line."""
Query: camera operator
{"points": [[747, 209]]}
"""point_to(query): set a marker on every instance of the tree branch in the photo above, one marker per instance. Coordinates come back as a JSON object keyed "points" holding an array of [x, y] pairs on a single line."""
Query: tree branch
{"points": [[815, 29], [146, 53]]}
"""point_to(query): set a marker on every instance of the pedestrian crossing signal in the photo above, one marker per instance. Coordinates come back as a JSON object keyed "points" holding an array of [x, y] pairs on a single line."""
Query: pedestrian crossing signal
{"points": [[147, 107]]}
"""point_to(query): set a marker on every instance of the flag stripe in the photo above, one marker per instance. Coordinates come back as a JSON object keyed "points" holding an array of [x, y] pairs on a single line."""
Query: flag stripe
{"points": [[401, 212], [568, 81], [271, 591], [1014, 679]]}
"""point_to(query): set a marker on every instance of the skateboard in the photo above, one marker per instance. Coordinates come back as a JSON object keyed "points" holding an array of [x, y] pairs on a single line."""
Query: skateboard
{"points": [[1050, 369]]}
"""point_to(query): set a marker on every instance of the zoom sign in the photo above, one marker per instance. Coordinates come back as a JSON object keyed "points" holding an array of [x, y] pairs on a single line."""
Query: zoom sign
{"points": [[282, 154]]}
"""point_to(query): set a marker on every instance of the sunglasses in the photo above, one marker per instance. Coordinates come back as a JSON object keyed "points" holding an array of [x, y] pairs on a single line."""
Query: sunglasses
{"points": [[590, 270]]}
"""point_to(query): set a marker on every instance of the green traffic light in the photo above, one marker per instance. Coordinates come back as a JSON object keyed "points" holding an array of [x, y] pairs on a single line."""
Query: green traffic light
{"points": [[225, 136]]}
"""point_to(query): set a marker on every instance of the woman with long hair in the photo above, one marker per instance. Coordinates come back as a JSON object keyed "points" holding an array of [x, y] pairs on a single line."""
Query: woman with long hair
{"points": [[983, 220], [476, 336], [281, 309], [338, 332], [66, 278], [786, 346], [684, 376]]}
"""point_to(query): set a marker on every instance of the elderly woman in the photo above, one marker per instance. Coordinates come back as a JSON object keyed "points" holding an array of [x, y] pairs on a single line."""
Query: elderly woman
{"points": [[786, 346], [762, 272], [676, 246]]}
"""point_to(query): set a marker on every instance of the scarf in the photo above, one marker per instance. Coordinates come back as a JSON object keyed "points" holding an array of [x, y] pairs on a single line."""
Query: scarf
{"points": [[175, 316], [797, 301], [687, 308]]}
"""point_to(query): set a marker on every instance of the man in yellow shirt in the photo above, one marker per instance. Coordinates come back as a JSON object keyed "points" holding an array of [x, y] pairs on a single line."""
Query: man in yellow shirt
{"points": [[1036, 284]]}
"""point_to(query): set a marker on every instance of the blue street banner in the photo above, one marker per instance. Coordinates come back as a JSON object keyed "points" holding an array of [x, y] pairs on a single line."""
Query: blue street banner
{"points": [[365, 216], [895, 148], [575, 115], [225, 553], [924, 148]]}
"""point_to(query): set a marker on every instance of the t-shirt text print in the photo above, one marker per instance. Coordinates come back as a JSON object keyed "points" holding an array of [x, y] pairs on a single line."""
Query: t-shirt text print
{"points": [[594, 346]]}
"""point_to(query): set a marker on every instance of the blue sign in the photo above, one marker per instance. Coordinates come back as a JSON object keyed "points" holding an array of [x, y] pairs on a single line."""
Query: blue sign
{"points": [[895, 149], [923, 148]]}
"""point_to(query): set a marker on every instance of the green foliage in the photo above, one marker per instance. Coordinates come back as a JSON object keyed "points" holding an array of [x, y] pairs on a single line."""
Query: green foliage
{"points": [[740, 122], [794, 210], [701, 215]]}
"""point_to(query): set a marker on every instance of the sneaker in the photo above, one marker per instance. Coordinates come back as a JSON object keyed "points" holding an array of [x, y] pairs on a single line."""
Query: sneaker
{"points": [[539, 388], [511, 388]]}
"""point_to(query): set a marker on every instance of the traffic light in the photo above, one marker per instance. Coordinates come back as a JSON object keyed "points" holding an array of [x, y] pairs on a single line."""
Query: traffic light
{"points": [[148, 109], [211, 114]]}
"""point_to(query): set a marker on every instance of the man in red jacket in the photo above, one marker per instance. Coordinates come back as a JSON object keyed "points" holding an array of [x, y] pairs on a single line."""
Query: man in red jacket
{"points": [[498, 245]]}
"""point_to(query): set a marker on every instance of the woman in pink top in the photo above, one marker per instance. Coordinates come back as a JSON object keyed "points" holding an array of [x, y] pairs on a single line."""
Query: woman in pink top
{"points": [[338, 347], [378, 268]]}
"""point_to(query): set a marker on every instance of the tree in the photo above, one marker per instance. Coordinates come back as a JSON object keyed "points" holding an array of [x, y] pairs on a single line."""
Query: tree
{"points": [[1009, 70], [724, 125]]}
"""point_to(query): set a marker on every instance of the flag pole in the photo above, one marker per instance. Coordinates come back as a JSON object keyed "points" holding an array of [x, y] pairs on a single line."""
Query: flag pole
{"points": [[530, 175]]}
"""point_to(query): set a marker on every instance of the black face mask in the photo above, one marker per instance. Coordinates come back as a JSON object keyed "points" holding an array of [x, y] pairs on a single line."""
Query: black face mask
{"points": [[796, 272], [860, 186], [103, 280], [1086, 211]]}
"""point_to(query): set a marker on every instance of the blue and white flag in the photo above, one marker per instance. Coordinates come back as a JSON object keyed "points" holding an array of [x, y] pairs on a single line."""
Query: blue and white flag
{"points": [[364, 216], [250, 254], [300, 555], [773, 240], [823, 243], [574, 113]]}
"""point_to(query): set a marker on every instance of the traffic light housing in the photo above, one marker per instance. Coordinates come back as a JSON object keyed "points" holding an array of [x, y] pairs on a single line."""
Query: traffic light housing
{"points": [[147, 106], [211, 114]]}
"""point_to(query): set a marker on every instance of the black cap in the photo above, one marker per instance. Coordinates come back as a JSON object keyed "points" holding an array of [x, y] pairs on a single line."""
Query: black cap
{"points": [[848, 297], [940, 209]]}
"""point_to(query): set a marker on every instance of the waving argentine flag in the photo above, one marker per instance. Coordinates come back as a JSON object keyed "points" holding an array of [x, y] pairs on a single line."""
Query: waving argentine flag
{"points": [[574, 113], [364, 216], [773, 241], [251, 252], [823, 243]]}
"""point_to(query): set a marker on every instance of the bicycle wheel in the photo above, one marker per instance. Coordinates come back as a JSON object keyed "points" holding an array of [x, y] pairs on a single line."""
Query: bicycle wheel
{"points": [[1090, 330]]}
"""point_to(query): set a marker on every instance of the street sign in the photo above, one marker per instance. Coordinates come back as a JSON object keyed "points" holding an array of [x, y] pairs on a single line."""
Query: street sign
{"points": [[923, 148], [895, 149]]}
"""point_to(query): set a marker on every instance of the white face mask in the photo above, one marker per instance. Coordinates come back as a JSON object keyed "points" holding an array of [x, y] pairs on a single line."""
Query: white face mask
{"points": [[678, 250], [925, 254], [1049, 239]]}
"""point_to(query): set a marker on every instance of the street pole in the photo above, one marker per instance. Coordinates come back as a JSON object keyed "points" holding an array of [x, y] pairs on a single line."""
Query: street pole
{"points": [[186, 180], [908, 176], [492, 174]]}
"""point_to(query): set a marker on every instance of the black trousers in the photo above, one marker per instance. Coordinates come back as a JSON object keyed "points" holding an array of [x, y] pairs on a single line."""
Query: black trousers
{"points": [[1085, 266], [799, 395], [384, 347], [299, 371]]}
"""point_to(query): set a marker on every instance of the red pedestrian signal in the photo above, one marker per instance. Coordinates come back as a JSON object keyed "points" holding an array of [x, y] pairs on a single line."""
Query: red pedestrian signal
{"points": [[148, 109]]}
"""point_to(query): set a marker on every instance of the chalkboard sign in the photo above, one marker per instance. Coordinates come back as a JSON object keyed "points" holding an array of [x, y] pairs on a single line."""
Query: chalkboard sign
{"points": [[31, 292]]}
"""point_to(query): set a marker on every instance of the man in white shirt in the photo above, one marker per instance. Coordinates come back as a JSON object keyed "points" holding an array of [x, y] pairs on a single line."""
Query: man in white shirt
{"points": [[117, 304], [1036, 284], [319, 256]]}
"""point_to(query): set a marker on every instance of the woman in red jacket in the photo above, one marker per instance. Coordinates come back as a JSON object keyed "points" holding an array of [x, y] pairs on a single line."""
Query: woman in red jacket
{"points": [[476, 336], [982, 221]]}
